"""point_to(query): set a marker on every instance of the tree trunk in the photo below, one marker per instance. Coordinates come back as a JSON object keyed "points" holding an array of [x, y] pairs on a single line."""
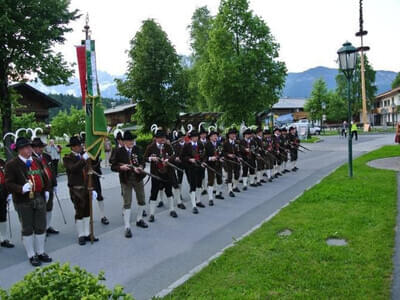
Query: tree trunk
{"points": [[5, 112]]}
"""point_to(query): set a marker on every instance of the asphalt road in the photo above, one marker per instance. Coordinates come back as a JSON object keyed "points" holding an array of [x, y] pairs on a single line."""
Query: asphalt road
{"points": [[170, 248]]}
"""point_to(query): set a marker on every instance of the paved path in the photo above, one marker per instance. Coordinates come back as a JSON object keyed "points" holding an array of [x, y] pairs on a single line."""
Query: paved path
{"points": [[158, 256], [390, 163]]}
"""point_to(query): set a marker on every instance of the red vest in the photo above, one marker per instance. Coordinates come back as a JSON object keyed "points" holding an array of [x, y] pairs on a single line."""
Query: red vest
{"points": [[36, 177]]}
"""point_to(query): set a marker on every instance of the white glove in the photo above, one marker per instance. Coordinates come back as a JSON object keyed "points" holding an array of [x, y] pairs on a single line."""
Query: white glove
{"points": [[85, 156], [153, 158], [9, 198], [26, 188], [46, 196], [94, 195]]}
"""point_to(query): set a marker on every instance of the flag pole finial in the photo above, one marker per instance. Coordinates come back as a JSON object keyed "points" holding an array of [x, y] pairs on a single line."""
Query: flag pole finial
{"points": [[86, 28]]}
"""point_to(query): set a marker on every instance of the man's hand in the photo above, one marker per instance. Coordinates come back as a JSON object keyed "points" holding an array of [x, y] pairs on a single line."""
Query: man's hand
{"points": [[46, 196], [153, 158], [212, 158], [124, 167], [138, 170], [177, 159], [231, 155], [26, 188], [85, 156], [192, 160]]}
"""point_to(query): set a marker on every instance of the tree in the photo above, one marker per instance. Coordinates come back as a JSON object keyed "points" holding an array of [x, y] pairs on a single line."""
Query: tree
{"points": [[71, 123], [319, 95], [29, 29], [396, 81], [242, 67], [154, 79], [199, 34], [336, 108], [355, 86]]}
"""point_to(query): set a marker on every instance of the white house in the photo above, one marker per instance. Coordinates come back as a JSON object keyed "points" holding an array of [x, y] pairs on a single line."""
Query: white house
{"points": [[387, 107]]}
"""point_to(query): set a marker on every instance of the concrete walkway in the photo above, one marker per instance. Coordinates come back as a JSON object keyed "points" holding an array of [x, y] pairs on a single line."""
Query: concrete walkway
{"points": [[157, 257], [390, 163]]}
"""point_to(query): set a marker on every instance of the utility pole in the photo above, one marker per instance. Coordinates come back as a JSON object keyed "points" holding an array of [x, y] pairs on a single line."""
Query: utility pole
{"points": [[363, 49]]}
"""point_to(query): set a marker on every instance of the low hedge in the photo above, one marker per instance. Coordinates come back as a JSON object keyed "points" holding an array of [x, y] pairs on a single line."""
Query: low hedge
{"points": [[62, 282]]}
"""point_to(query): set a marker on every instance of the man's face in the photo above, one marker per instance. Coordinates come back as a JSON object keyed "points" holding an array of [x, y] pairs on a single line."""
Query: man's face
{"points": [[247, 136], [120, 142], [77, 148], [26, 151], [160, 140], [232, 136], [213, 138], [51, 142], [195, 139], [38, 150], [128, 144], [203, 136]]}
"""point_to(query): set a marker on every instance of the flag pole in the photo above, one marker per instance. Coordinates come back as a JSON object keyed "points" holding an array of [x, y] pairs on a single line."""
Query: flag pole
{"points": [[86, 30]]}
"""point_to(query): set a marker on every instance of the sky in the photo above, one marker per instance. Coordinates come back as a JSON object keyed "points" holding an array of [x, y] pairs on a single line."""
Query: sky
{"points": [[309, 31]]}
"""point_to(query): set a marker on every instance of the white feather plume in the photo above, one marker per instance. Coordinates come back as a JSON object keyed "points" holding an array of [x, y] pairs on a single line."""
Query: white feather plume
{"points": [[10, 133], [190, 127]]}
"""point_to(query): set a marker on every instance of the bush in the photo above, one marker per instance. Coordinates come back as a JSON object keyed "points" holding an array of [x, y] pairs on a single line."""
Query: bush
{"points": [[62, 282], [143, 140]]}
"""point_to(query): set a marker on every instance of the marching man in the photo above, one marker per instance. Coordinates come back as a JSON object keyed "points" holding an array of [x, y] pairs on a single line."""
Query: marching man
{"points": [[29, 185], [4, 198], [128, 162], [77, 172]]}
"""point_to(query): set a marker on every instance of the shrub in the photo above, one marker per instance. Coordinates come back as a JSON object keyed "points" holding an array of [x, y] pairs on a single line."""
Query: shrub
{"points": [[61, 282]]}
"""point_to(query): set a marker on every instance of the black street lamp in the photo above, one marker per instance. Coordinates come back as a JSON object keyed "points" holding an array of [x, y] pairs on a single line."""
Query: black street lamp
{"points": [[347, 63]]}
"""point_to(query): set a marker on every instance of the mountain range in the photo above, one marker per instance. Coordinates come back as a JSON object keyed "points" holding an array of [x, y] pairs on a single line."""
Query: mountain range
{"points": [[298, 85]]}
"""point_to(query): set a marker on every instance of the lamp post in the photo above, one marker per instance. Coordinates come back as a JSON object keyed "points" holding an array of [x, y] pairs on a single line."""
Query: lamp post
{"points": [[347, 63], [393, 108], [323, 106]]}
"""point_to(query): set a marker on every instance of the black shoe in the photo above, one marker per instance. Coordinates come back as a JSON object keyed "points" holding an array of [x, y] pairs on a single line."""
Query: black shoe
{"points": [[51, 230], [265, 174], [95, 239], [220, 197], [195, 210], [6, 244], [199, 204], [82, 240], [241, 181], [263, 181], [128, 233], [259, 184], [181, 206], [151, 218], [294, 170], [287, 171], [44, 258], [105, 221], [236, 189], [270, 179], [276, 176], [245, 188], [204, 192], [34, 260], [253, 185], [214, 192], [231, 194], [211, 203], [142, 224], [173, 214], [279, 174], [144, 214], [160, 204]]}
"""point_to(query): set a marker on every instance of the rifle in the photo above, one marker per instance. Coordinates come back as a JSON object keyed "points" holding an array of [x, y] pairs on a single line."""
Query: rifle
{"points": [[59, 205], [212, 169], [147, 173], [174, 166], [232, 161], [245, 162], [304, 147], [9, 219]]}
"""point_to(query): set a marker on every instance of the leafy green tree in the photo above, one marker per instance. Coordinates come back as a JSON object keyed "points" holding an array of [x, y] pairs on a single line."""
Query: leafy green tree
{"points": [[71, 123], [29, 30], [336, 108], [319, 95], [243, 70], [396, 81], [26, 120], [355, 87], [154, 78]]}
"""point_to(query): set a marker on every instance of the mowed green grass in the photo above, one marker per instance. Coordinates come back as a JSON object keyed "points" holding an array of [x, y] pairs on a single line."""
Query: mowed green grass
{"points": [[301, 266]]}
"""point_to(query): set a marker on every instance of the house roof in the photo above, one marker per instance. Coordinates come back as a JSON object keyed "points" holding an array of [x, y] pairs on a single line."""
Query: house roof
{"points": [[119, 108], [24, 88], [388, 93], [285, 103]]}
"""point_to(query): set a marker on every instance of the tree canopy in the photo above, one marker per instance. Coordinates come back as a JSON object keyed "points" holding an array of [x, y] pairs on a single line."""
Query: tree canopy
{"points": [[29, 30], [242, 66], [396, 81]]}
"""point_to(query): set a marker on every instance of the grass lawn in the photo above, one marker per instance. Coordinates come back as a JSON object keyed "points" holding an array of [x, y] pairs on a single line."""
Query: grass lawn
{"points": [[301, 266], [312, 139]]}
